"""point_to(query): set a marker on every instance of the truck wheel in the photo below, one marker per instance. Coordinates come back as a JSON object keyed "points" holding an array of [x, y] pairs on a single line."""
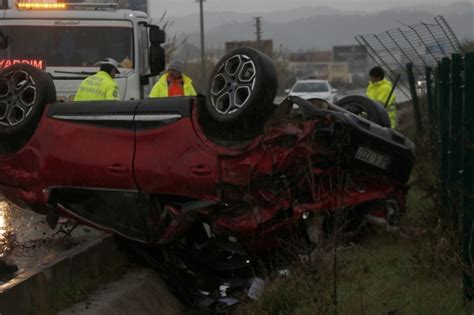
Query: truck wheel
{"points": [[24, 92], [241, 90], [366, 108]]}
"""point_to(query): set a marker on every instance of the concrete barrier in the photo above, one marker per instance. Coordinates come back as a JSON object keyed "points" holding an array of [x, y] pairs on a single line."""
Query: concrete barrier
{"points": [[65, 280], [139, 291]]}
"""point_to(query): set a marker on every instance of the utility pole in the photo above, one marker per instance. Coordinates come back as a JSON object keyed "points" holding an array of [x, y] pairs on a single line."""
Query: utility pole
{"points": [[203, 60], [258, 30]]}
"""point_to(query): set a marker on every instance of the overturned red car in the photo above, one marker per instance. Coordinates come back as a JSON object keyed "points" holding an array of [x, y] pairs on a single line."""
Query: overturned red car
{"points": [[233, 163]]}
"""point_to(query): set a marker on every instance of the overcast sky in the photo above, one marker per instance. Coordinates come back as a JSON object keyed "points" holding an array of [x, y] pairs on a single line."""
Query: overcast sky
{"points": [[185, 7]]}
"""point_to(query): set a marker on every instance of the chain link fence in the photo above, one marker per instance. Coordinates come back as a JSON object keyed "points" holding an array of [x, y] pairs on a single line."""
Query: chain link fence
{"points": [[422, 44]]}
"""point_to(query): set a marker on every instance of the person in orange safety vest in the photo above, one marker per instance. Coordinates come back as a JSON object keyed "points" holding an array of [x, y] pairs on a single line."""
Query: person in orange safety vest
{"points": [[173, 83]]}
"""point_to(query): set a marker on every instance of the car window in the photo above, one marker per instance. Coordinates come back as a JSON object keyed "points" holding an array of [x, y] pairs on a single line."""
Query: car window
{"points": [[310, 87]]}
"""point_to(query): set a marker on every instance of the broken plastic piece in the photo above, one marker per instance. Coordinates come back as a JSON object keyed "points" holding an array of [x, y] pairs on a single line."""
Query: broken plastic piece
{"points": [[256, 289]]}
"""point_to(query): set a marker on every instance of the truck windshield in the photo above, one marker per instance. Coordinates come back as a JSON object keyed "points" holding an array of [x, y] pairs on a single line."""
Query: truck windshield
{"points": [[69, 46]]}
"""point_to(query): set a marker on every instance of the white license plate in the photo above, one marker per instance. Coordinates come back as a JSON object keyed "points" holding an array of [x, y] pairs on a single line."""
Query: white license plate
{"points": [[367, 155]]}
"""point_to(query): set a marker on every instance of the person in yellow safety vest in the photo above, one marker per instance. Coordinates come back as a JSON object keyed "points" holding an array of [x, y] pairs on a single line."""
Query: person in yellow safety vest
{"points": [[100, 86], [379, 90], [173, 83]]}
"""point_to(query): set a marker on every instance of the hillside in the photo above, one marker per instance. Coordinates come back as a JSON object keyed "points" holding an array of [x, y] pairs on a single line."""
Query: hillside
{"points": [[317, 27]]}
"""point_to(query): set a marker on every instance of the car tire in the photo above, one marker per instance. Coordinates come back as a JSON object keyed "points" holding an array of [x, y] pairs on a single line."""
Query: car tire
{"points": [[242, 88], [24, 92], [366, 108]]}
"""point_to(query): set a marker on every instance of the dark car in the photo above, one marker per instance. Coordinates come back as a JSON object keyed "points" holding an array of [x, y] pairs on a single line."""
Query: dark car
{"points": [[153, 170]]}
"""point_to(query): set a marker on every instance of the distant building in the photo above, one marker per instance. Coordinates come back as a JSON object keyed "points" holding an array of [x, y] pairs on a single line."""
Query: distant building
{"points": [[265, 46], [319, 64], [355, 56], [340, 72], [324, 70], [315, 55], [393, 58]]}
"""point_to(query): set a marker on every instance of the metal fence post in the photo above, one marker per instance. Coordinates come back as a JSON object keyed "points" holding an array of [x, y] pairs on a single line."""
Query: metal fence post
{"points": [[414, 98], [457, 151], [468, 206], [445, 133], [436, 106], [429, 95]]}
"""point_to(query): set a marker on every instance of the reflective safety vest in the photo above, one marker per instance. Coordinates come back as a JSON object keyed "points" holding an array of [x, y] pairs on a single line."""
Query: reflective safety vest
{"points": [[160, 89], [379, 91], [98, 87]]}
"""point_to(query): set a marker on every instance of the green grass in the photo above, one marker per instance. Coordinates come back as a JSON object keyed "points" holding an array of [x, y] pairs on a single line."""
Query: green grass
{"points": [[383, 277], [413, 272], [379, 275]]}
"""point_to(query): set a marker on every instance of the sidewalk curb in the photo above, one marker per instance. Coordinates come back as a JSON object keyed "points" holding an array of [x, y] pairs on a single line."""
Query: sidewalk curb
{"points": [[65, 280]]}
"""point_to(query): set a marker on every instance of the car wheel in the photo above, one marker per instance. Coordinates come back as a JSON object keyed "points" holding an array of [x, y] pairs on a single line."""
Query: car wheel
{"points": [[241, 90], [366, 108], [24, 92]]}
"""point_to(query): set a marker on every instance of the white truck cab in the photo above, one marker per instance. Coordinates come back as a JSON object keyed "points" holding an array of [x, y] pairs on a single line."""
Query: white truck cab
{"points": [[67, 40]]}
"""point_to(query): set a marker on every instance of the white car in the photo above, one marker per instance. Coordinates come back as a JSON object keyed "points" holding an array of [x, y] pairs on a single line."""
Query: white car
{"points": [[308, 89]]}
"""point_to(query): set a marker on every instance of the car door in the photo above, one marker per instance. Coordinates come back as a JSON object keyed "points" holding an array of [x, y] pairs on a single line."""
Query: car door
{"points": [[170, 158], [88, 164]]}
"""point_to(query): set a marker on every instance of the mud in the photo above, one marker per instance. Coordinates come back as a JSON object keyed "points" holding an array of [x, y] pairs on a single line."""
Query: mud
{"points": [[27, 241]]}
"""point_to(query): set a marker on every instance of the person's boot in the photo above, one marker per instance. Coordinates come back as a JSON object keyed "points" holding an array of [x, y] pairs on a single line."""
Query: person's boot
{"points": [[6, 268]]}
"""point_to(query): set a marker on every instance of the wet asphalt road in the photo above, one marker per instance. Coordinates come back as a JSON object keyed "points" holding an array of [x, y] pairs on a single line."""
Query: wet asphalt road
{"points": [[27, 241]]}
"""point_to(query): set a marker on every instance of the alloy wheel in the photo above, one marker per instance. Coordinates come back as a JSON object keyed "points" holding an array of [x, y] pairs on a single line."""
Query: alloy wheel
{"points": [[17, 96], [233, 84]]}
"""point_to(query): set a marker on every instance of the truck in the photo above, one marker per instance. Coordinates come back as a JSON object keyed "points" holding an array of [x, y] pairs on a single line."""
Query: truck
{"points": [[67, 40]]}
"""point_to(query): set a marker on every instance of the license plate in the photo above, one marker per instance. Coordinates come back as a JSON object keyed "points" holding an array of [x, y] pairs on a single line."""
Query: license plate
{"points": [[371, 157]]}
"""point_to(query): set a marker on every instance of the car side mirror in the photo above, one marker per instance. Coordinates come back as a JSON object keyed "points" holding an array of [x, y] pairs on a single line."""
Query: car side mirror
{"points": [[157, 59], [157, 35], [287, 91], [334, 90]]}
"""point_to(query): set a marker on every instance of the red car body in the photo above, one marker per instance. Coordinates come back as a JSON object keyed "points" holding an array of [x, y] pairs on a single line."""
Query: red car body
{"points": [[152, 171]]}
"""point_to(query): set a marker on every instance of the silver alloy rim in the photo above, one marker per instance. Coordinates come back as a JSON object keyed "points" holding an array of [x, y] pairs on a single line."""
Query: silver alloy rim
{"points": [[17, 96], [363, 113], [233, 84]]}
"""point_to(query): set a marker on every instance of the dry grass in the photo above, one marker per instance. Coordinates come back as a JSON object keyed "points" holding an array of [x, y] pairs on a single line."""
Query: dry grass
{"points": [[416, 270], [383, 274]]}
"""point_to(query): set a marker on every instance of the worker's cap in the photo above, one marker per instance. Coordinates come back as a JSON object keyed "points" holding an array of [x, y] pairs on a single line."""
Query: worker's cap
{"points": [[176, 65], [109, 61]]}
